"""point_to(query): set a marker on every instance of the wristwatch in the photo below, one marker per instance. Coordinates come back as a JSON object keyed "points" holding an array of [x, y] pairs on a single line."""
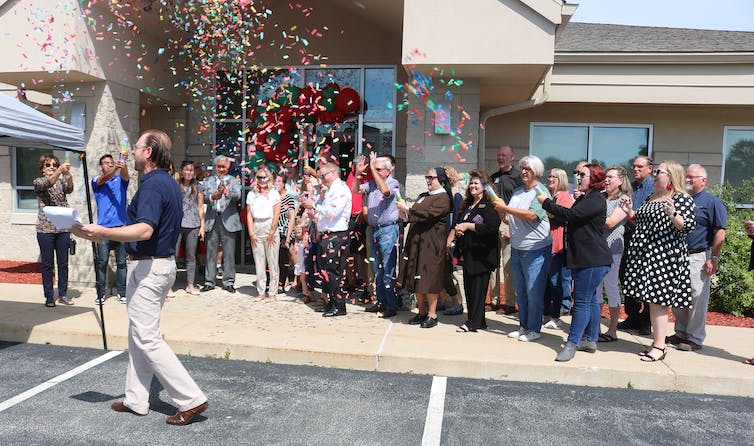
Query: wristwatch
{"points": [[715, 258]]}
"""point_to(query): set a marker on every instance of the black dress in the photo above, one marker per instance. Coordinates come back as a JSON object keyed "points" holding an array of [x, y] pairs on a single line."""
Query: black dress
{"points": [[657, 267]]}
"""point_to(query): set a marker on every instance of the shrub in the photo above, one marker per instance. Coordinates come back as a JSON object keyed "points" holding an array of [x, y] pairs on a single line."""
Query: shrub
{"points": [[733, 286]]}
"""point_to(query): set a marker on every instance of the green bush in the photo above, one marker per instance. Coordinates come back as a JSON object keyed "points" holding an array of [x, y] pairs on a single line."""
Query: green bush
{"points": [[733, 285]]}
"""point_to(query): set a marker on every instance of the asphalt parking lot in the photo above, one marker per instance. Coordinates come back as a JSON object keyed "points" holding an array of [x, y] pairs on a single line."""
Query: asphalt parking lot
{"points": [[259, 403]]}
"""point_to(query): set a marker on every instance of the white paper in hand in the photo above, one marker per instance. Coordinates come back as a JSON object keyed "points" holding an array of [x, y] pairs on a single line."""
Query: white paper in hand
{"points": [[62, 217]]}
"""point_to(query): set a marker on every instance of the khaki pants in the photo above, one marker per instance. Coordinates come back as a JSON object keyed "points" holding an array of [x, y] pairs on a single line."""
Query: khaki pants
{"points": [[266, 257], [148, 354], [505, 268], [691, 323]]}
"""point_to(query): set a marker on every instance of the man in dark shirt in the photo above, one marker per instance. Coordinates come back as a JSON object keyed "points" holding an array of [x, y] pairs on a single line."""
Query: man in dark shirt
{"points": [[506, 180], [153, 221], [643, 185]]}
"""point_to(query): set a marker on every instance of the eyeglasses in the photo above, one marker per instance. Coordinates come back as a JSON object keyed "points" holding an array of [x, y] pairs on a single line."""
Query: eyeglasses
{"points": [[639, 166], [324, 175], [109, 163], [379, 169], [429, 177], [553, 176], [695, 176], [659, 171], [51, 164], [527, 169], [138, 147], [582, 174]]}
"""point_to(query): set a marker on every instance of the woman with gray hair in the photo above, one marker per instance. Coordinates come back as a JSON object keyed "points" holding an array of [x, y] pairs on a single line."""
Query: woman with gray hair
{"points": [[531, 244]]}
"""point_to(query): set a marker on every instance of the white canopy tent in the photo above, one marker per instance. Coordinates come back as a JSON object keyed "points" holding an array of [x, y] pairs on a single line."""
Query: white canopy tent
{"points": [[21, 124]]}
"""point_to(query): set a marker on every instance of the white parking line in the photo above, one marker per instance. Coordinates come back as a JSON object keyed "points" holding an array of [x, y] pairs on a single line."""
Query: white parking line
{"points": [[435, 409], [382, 344], [57, 380]]}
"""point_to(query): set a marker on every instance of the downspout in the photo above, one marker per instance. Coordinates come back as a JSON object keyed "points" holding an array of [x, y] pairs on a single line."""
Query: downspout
{"points": [[535, 101]]}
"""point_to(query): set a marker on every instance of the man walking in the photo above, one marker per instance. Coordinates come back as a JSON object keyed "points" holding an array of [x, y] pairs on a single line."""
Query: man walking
{"points": [[643, 185], [332, 212], [153, 222], [382, 216], [221, 192], [109, 190], [507, 179], [705, 244]]}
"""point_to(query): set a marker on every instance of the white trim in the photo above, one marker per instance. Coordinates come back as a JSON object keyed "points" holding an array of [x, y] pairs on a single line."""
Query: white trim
{"points": [[435, 411], [725, 145], [590, 126], [654, 58]]}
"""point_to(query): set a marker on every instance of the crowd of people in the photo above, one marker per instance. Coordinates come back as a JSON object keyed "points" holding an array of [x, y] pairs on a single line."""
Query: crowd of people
{"points": [[540, 247]]}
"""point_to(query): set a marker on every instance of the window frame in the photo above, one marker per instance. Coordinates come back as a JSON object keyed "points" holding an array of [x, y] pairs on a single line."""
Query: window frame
{"points": [[14, 174], [590, 127], [725, 146]]}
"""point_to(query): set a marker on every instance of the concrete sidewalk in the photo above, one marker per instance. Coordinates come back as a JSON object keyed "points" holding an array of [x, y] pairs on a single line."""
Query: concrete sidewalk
{"points": [[233, 326]]}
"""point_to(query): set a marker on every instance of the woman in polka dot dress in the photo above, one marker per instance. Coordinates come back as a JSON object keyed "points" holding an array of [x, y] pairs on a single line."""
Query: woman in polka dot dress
{"points": [[657, 270]]}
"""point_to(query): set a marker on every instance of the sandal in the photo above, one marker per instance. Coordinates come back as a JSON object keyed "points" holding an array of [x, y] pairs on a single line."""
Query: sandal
{"points": [[464, 329], [649, 358], [749, 361], [604, 337]]}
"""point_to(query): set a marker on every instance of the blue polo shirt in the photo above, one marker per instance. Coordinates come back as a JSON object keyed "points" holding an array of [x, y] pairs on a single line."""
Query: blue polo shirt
{"points": [[158, 203], [710, 214], [111, 201]]}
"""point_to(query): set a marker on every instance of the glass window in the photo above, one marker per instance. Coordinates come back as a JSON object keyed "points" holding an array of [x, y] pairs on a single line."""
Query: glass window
{"points": [[563, 146], [344, 77], [379, 94], [738, 153], [378, 137], [618, 145], [26, 170], [230, 95], [229, 139], [559, 145]]}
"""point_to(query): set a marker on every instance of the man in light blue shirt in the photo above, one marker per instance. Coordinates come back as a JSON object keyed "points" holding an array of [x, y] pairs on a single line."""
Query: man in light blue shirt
{"points": [[109, 190]]}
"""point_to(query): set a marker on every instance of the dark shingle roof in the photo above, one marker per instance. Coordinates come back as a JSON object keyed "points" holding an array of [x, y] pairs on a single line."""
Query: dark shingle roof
{"points": [[601, 38]]}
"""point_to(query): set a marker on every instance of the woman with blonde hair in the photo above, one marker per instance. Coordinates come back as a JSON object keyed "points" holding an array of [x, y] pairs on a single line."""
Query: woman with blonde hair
{"points": [[559, 277], [617, 188], [657, 267], [263, 204]]}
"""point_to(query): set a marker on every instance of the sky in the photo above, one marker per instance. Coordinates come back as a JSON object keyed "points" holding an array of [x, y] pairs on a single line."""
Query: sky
{"points": [[736, 15]]}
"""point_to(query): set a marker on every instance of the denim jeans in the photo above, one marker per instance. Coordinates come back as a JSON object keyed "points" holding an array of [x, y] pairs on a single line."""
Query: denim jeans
{"points": [[586, 304], [565, 281], [103, 255], [554, 291], [51, 246], [384, 241], [530, 269]]}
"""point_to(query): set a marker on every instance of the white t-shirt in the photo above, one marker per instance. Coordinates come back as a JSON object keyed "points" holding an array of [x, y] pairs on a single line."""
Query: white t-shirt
{"points": [[261, 204], [529, 235]]}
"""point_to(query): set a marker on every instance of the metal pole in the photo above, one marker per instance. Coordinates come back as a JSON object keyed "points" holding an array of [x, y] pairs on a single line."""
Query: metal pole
{"points": [[94, 247]]}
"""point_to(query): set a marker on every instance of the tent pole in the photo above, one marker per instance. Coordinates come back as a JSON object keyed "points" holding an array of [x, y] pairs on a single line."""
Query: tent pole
{"points": [[94, 246]]}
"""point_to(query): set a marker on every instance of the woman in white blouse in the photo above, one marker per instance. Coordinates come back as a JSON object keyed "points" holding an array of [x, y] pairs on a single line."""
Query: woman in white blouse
{"points": [[263, 204]]}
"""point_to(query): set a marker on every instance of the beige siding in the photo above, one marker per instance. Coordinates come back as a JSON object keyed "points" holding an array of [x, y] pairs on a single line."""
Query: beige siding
{"points": [[687, 134]]}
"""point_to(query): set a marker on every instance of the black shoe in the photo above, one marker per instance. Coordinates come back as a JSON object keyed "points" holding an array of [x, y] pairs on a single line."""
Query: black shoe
{"points": [[229, 288], [376, 308], [418, 319], [334, 312], [674, 340], [429, 322], [207, 288], [388, 314], [324, 309], [628, 324]]}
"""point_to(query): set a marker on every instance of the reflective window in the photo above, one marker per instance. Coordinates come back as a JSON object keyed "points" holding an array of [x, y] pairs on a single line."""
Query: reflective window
{"points": [[379, 94], [26, 170], [563, 146], [738, 152]]}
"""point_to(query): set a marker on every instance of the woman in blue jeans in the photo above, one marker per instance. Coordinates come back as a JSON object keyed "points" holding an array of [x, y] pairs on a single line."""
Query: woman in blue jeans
{"points": [[531, 244], [587, 255], [51, 189]]}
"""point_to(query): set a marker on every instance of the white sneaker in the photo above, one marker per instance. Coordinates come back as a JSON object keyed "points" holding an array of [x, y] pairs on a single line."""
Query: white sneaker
{"points": [[530, 336], [122, 299], [553, 323], [517, 333]]}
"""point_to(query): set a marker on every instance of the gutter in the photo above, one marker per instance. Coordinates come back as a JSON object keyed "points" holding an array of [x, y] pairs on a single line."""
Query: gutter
{"points": [[535, 101]]}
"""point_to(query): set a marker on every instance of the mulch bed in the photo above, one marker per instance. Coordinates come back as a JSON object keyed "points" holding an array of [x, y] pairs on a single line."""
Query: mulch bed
{"points": [[20, 272], [31, 273]]}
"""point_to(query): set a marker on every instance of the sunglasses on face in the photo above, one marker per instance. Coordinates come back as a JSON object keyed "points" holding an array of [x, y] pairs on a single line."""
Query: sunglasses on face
{"points": [[51, 164], [582, 174], [262, 178], [659, 171]]}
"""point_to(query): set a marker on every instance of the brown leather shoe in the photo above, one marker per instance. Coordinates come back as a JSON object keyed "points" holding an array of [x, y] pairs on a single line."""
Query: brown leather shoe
{"points": [[118, 406], [185, 417], [388, 314]]}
